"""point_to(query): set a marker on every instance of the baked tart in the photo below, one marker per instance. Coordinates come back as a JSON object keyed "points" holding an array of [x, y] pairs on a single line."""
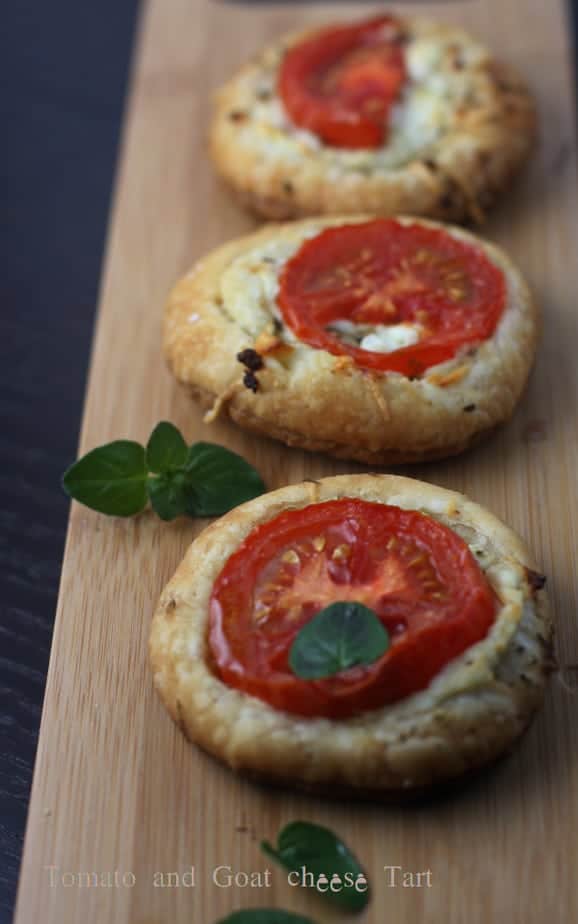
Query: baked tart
{"points": [[455, 591], [381, 340], [388, 115]]}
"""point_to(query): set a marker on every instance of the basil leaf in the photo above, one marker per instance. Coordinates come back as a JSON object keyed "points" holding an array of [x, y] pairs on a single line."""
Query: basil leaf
{"points": [[166, 449], [205, 480], [265, 916], [341, 636], [169, 494], [110, 479], [337, 875], [219, 479]]}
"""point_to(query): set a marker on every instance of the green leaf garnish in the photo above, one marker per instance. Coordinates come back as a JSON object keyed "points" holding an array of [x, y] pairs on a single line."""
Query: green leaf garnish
{"points": [[110, 479], [169, 494], [166, 449], [219, 479], [341, 636], [335, 873], [264, 916], [203, 480]]}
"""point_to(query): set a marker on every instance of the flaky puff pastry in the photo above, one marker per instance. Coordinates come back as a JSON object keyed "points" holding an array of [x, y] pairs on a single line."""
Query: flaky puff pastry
{"points": [[314, 400], [471, 713], [463, 127]]}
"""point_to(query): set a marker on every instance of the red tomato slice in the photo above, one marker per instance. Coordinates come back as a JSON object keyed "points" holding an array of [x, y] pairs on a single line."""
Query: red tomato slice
{"points": [[342, 82], [383, 272], [416, 574]]}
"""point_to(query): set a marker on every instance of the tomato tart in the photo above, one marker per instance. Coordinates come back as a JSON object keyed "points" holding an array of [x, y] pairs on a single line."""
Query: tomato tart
{"points": [[376, 339], [388, 115], [454, 590]]}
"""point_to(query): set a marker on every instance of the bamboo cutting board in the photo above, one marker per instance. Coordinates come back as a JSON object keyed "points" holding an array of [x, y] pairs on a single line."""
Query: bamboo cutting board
{"points": [[117, 789]]}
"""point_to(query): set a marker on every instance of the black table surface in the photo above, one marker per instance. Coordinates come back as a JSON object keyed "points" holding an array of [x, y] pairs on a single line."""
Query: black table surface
{"points": [[62, 98], [62, 101]]}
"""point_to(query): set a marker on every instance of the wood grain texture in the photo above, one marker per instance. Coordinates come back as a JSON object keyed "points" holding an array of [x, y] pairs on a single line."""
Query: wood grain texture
{"points": [[117, 787]]}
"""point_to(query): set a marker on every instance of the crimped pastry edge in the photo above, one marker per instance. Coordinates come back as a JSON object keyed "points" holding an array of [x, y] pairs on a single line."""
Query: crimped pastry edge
{"points": [[457, 179], [470, 714], [311, 402]]}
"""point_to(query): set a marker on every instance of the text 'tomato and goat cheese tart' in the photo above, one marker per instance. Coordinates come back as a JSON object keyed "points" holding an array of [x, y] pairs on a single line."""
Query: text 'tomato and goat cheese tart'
{"points": [[456, 591], [381, 340], [389, 115]]}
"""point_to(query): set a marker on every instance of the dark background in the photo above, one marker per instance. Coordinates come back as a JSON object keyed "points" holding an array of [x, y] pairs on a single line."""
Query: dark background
{"points": [[65, 67]]}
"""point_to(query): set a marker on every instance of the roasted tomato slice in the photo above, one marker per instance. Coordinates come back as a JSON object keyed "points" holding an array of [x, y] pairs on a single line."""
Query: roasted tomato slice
{"points": [[384, 273], [415, 573], [342, 82]]}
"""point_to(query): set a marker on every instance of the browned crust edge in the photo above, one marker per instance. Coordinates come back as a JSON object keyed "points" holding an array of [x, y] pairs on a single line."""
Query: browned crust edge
{"points": [[472, 713]]}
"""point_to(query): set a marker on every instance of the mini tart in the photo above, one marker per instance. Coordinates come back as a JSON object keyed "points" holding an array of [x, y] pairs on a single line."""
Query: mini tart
{"points": [[468, 715], [308, 397], [461, 128]]}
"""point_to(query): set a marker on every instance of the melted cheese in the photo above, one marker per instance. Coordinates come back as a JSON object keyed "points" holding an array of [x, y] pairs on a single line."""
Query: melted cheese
{"points": [[435, 89], [250, 284], [387, 338], [249, 289]]}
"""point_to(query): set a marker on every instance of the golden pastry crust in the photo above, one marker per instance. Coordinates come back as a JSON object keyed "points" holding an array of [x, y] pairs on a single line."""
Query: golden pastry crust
{"points": [[311, 399], [463, 128], [474, 709]]}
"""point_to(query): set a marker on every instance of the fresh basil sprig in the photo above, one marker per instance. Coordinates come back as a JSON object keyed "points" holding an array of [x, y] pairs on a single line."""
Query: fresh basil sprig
{"points": [[265, 916], [201, 480], [337, 875], [341, 636]]}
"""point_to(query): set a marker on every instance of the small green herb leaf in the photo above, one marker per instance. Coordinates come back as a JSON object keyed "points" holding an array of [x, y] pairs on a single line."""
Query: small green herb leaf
{"points": [[205, 480], [110, 479], [337, 875], [265, 916], [341, 636], [169, 494], [166, 449], [219, 479]]}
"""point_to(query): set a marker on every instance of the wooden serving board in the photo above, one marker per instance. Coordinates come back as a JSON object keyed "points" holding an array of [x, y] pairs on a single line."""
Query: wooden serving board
{"points": [[117, 789]]}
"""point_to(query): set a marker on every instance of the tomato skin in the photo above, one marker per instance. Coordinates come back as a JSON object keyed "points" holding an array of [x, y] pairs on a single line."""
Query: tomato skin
{"points": [[413, 273], [418, 576], [343, 101]]}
